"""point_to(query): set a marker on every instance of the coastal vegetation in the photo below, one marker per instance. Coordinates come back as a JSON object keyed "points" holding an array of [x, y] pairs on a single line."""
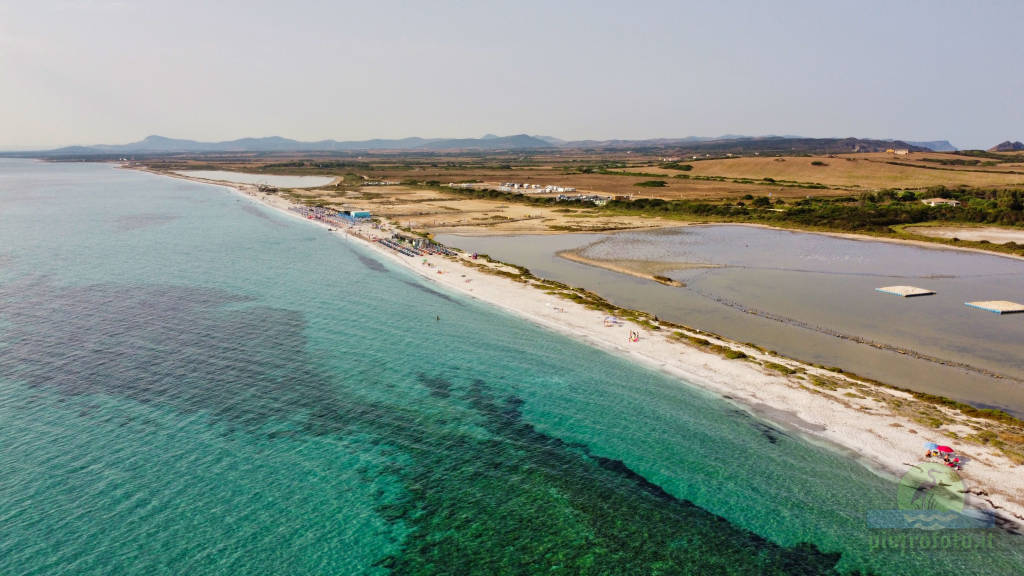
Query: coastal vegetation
{"points": [[786, 370], [866, 211]]}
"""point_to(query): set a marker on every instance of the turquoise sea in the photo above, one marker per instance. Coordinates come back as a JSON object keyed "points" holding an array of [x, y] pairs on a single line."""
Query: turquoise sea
{"points": [[193, 384]]}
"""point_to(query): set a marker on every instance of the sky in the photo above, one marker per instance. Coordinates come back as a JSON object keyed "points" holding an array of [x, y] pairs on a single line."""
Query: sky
{"points": [[98, 71]]}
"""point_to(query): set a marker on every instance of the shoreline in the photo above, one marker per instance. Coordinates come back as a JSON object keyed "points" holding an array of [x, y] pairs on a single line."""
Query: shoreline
{"points": [[849, 416]]}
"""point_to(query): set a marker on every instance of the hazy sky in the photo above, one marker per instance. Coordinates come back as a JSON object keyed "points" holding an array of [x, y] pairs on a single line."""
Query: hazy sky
{"points": [[112, 72]]}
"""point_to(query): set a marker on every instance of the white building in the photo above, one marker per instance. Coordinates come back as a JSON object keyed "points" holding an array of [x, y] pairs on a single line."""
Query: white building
{"points": [[933, 202]]}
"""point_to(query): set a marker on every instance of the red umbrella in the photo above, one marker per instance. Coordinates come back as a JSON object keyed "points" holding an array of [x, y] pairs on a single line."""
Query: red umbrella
{"points": [[946, 449]]}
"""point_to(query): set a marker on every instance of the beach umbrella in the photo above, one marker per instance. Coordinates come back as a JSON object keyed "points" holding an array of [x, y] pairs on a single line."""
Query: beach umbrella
{"points": [[931, 445], [945, 449]]}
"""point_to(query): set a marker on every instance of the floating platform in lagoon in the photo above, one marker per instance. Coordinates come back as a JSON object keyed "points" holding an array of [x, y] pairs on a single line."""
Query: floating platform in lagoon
{"points": [[905, 291], [997, 306]]}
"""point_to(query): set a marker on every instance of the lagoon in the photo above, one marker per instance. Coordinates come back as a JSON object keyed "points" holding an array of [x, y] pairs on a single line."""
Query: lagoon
{"points": [[276, 180], [793, 292]]}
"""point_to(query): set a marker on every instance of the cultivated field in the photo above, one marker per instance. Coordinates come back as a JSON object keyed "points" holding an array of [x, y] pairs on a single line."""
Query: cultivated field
{"points": [[860, 172]]}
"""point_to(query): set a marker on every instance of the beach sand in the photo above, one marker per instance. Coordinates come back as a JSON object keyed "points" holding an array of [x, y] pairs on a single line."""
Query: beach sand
{"points": [[973, 233], [850, 415]]}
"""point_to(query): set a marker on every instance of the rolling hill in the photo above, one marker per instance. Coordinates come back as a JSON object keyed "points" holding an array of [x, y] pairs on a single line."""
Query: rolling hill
{"points": [[1007, 147]]}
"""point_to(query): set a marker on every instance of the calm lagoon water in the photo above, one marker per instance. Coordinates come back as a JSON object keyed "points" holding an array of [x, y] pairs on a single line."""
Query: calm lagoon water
{"points": [[269, 179], [191, 383], [809, 283]]}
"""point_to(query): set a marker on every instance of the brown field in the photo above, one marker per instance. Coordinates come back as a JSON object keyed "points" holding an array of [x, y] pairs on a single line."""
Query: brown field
{"points": [[922, 159], [857, 172]]}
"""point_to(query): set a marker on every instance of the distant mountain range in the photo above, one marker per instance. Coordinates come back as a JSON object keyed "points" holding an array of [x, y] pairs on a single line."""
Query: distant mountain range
{"points": [[730, 143], [163, 145]]}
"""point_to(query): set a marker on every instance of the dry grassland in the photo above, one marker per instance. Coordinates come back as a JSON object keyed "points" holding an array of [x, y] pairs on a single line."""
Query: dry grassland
{"points": [[864, 172]]}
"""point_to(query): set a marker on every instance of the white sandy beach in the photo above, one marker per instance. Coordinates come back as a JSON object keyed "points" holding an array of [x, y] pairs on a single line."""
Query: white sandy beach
{"points": [[993, 234], [860, 425]]}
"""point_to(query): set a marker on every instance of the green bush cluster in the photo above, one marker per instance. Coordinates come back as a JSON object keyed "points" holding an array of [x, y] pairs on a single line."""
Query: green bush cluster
{"points": [[868, 212], [677, 166]]}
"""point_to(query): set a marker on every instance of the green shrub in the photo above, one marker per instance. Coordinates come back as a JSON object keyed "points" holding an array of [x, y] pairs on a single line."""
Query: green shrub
{"points": [[779, 368]]}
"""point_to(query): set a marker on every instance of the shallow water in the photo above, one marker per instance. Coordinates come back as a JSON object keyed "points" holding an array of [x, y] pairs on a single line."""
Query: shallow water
{"points": [[269, 179], [813, 286], [191, 383]]}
